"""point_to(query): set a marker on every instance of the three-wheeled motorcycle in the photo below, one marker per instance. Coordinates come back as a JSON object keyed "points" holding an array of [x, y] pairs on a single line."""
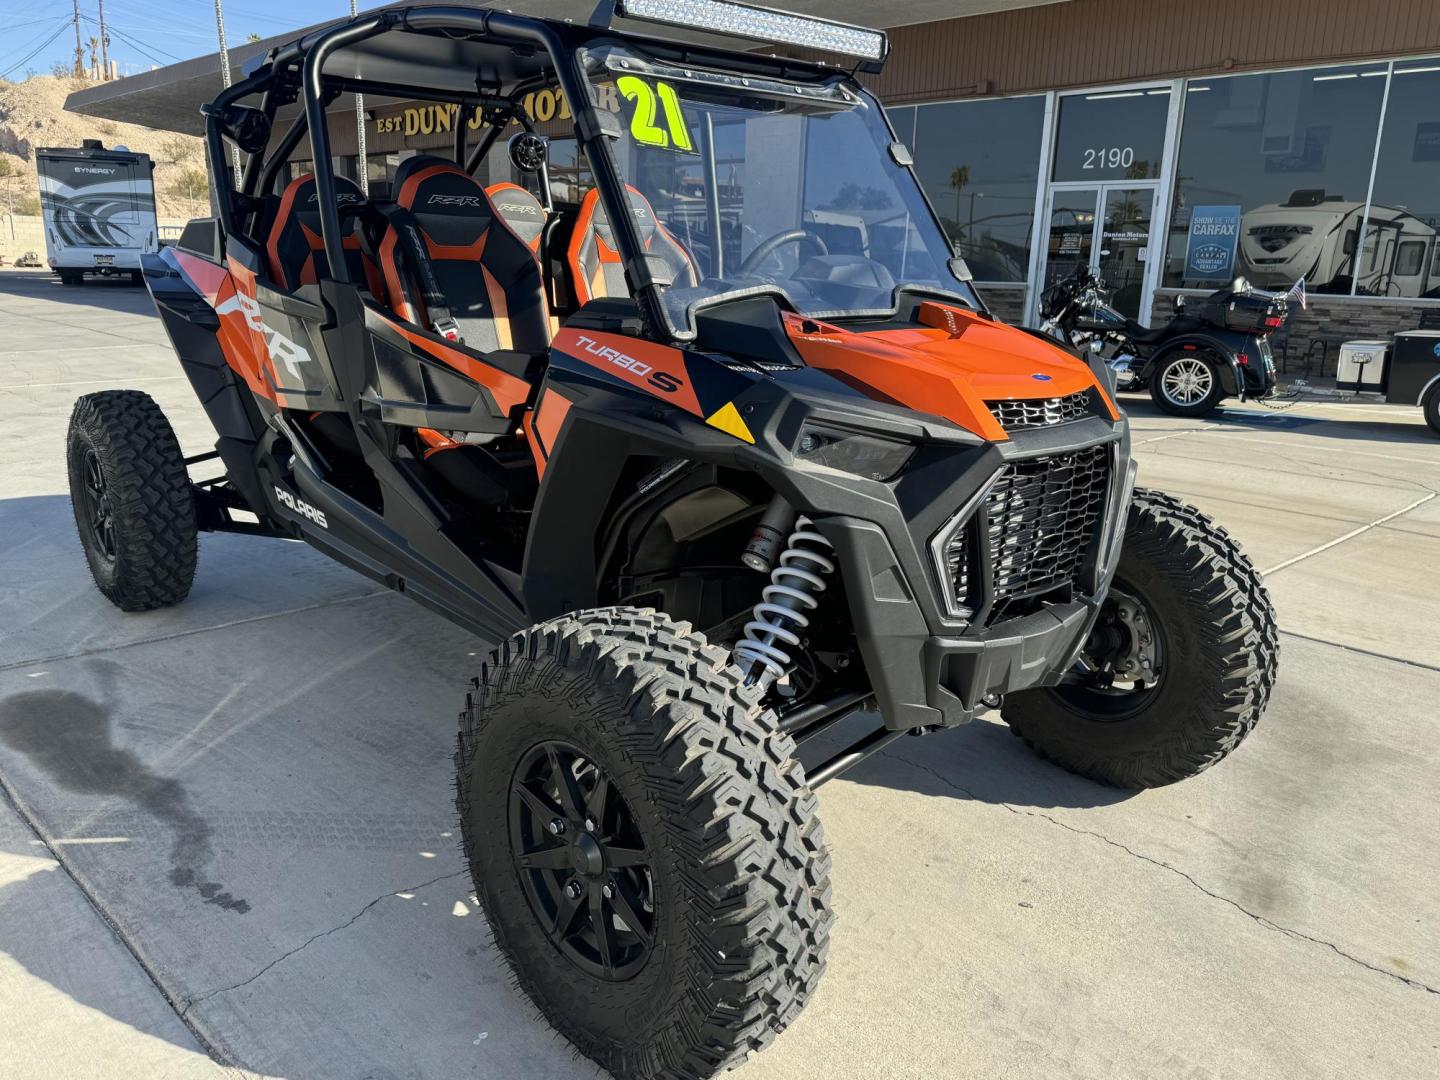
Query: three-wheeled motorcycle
{"points": [[721, 451], [1191, 363]]}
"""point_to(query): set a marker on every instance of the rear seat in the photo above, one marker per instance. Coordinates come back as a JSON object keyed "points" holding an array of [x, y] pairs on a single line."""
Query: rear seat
{"points": [[294, 249]]}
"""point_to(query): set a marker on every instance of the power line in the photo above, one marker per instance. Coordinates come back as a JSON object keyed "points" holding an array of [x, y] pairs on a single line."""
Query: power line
{"points": [[41, 48], [142, 49], [61, 22]]}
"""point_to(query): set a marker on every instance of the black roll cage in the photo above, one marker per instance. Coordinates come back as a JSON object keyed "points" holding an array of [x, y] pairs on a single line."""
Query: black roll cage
{"points": [[296, 72]]}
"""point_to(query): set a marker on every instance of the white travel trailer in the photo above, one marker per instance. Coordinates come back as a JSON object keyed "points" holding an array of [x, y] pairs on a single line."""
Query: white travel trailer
{"points": [[1316, 236], [99, 210]]}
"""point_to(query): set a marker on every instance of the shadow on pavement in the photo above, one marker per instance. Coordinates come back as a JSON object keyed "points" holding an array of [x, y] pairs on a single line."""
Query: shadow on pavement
{"points": [[117, 292], [980, 761], [1347, 427]]}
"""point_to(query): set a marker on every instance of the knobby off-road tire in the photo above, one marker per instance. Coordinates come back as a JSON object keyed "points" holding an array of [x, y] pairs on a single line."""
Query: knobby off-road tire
{"points": [[130, 493], [1221, 652], [740, 873]]}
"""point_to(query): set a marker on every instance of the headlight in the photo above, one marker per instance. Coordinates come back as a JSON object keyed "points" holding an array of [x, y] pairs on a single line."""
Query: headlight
{"points": [[849, 451]]}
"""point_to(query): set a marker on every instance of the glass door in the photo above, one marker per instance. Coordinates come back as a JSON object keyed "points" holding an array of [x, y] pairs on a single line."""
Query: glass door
{"points": [[1123, 251], [1107, 228], [1070, 237]]}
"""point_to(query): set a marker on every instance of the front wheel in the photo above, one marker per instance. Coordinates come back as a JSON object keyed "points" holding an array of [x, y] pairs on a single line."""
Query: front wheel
{"points": [[1179, 666], [131, 495], [1186, 384], [643, 843]]}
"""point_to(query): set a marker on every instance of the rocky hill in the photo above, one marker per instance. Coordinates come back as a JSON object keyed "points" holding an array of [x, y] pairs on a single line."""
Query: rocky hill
{"points": [[32, 114]]}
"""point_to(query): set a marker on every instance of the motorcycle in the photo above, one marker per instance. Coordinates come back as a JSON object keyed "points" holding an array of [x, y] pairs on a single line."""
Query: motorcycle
{"points": [[1192, 362]]}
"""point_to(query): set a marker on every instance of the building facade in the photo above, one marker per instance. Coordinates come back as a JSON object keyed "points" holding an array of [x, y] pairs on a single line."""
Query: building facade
{"points": [[1171, 147]]}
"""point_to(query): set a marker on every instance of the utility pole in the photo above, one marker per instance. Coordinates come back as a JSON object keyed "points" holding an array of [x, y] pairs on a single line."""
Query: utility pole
{"points": [[79, 48], [225, 78], [104, 45]]}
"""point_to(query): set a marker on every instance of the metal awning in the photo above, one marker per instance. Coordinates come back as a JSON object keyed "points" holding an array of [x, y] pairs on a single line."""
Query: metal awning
{"points": [[169, 98]]}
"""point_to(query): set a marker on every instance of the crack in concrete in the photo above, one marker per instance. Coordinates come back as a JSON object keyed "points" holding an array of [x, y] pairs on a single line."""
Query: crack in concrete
{"points": [[314, 938], [56, 658], [1260, 920], [1361, 652]]}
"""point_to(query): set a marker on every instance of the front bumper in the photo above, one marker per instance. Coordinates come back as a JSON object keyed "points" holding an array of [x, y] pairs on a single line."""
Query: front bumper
{"points": [[926, 667]]}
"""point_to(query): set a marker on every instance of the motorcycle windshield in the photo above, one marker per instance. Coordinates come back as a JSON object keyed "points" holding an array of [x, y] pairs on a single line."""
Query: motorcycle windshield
{"points": [[745, 185]]}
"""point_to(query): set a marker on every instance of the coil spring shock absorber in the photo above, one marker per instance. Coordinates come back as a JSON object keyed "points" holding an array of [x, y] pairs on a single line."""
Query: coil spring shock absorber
{"points": [[795, 583]]}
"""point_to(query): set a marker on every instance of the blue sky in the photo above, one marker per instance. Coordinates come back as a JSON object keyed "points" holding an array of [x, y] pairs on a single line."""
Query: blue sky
{"points": [[145, 33]]}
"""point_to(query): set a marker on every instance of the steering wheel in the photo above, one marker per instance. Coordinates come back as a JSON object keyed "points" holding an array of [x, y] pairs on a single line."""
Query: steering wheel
{"points": [[772, 244]]}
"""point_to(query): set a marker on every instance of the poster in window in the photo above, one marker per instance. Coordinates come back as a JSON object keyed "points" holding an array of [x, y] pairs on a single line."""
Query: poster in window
{"points": [[1214, 234]]}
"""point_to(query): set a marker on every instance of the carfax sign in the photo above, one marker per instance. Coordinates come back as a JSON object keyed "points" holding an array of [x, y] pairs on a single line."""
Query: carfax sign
{"points": [[1214, 234]]}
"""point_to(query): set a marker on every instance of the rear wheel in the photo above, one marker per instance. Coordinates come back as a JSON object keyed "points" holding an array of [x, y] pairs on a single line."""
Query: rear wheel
{"points": [[643, 843], [71, 279], [1432, 410], [1186, 384], [1179, 667], [130, 492]]}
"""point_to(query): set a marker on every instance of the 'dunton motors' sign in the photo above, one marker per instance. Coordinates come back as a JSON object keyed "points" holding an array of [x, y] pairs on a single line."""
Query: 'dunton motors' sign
{"points": [[541, 107]]}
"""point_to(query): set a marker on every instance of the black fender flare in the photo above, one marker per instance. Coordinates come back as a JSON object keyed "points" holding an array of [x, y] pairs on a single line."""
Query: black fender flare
{"points": [[1224, 345]]}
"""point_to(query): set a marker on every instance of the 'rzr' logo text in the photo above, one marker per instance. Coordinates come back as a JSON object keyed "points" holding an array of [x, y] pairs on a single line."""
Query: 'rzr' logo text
{"points": [[661, 380], [455, 200], [518, 208], [281, 349]]}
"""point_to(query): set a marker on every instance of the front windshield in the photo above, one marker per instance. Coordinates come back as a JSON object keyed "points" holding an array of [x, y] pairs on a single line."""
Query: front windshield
{"points": [[759, 185]]}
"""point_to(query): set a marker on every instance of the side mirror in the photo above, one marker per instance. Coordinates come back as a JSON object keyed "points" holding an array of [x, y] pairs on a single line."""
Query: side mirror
{"points": [[1180, 302], [1240, 285]]}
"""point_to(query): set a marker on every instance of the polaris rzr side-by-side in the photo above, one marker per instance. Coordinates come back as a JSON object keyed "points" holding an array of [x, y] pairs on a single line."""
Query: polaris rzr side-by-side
{"points": [[722, 452]]}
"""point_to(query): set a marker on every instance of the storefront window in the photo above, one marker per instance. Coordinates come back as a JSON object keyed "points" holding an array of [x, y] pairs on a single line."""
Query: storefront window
{"points": [[1402, 256], [380, 172], [979, 161], [1272, 179], [1111, 135], [902, 119], [570, 175]]}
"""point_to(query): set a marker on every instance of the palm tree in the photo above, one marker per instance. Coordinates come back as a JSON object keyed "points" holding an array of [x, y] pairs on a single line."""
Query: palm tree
{"points": [[959, 178]]}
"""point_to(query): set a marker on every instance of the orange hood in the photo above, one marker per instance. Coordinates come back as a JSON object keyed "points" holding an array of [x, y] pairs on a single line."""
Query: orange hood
{"points": [[949, 366]]}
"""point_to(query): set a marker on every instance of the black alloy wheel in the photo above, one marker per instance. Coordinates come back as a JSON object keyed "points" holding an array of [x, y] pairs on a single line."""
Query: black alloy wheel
{"points": [[99, 515], [581, 860]]}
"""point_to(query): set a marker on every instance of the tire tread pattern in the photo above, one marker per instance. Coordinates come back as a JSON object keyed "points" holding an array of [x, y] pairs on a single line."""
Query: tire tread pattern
{"points": [[150, 496], [1238, 643], [737, 811]]}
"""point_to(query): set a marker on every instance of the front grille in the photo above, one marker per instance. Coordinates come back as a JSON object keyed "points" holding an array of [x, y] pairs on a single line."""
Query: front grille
{"points": [[1017, 415], [1040, 516], [1033, 529]]}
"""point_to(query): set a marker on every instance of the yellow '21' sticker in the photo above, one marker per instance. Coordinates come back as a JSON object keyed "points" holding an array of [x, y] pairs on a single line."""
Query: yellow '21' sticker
{"points": [[650, 102]]}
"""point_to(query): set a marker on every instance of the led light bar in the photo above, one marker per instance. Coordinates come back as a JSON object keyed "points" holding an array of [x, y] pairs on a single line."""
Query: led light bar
{"points": [[761, 24]]}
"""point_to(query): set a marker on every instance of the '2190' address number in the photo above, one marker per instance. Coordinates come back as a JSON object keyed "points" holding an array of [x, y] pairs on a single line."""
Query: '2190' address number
{"points": [[1109, 157]]}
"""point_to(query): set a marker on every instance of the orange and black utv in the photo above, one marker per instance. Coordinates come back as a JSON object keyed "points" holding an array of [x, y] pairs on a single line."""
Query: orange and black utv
{"points": [[721, 451]]}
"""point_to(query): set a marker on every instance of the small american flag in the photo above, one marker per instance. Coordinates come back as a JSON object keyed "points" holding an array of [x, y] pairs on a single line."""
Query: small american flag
{"points": [[1297, 293]]}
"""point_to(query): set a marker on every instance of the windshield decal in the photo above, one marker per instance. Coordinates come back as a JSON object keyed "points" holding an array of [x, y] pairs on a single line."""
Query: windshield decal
{"points": [[649, 102]]}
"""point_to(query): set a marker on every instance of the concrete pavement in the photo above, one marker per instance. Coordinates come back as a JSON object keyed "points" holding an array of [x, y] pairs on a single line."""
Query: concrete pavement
{"points": [[231, 826]]}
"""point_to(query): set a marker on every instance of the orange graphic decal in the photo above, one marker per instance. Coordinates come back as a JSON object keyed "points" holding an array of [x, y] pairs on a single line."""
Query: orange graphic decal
{"points": [[656, 369]]}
